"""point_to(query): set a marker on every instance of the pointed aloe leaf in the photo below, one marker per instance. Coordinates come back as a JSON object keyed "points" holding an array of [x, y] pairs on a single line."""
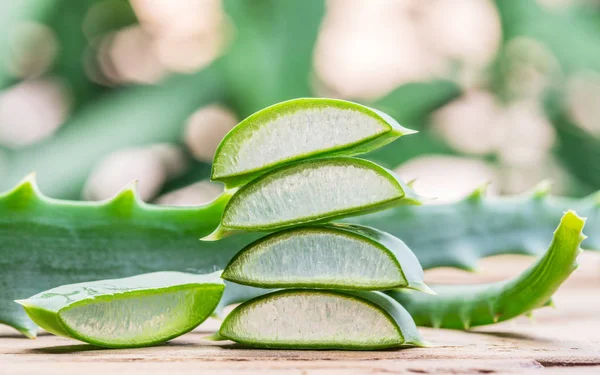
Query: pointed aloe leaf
{"points": [[63, 161], [321, 319], [12, 15], [327, 257], [310, 192], [571, 34], [130, 312], [471, 229], [584, 163], [411, 104], [271, 56], [465, 306], [318, 127]]}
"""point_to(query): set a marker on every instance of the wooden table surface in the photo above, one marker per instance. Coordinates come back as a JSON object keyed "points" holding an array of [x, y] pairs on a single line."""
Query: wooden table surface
{"points": [[561, 340]]}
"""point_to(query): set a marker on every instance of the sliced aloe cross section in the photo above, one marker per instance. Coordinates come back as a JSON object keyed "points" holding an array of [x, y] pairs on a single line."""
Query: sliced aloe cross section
{"points": [[299, 129], [337, 256], [321, 319], [310, 192], [130, 312]]}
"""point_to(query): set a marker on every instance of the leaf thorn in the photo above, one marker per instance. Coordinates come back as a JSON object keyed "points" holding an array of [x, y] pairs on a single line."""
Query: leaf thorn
{"points": [[541, 190], [479, 193], [436, 321]]}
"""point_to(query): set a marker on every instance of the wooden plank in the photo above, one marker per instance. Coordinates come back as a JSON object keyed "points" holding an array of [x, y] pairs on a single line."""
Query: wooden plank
{"points": [[563, 339]]}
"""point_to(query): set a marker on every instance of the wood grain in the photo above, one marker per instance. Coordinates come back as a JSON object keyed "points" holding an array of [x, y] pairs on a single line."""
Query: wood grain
{"points": [[562, 340]]}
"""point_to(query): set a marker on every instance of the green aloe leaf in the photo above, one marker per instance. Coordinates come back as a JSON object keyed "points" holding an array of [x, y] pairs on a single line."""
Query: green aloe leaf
{"points": [[72, 239], [131, 312], [412, 102], [320, 319], [73, 31], [310, 192], [160, 111], [571, 33], [12, 15], [338, 256], [411, 105], [271, 57], [584, 163], [319, 127], [476, 227], [465, 306]]}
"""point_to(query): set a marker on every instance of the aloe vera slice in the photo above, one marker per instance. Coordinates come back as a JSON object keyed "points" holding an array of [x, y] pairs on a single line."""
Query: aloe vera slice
{"points": [[349, 257], [318, 127], [310, 192], [321, 319], [130, 312]]}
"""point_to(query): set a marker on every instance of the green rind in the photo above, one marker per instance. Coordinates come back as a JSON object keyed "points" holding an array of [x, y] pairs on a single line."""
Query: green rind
{"points": [[407, 331], [405, 196], [466, 306], [46, 242], [409, 270], [256, 120], [46, 319], [47, 308]]}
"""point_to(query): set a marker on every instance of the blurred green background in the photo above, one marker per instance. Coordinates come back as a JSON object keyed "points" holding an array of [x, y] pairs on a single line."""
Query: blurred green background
{"points": [[96, 93]]}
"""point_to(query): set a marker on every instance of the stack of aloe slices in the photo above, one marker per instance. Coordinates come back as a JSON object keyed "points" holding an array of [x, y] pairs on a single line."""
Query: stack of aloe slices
{"points": [[333, 271], [288, 172]]}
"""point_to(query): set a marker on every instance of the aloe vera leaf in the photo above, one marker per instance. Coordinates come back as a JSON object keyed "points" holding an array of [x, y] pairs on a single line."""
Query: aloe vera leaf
{"points": [[348, 257], [159, 110], [46, 243], [319, 127], [73, 31], [577, 149], [465, 306], [134, 311], [310, 192], [12, 15], [571, 34], [411, 104], [478, 227], [321, 319], [271, 57]]}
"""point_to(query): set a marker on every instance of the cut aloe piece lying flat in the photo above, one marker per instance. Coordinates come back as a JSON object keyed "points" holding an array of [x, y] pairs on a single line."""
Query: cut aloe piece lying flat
{"points": [[321, 319], [350, 257], [310, 192], [299, 129], [130, 312]]}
